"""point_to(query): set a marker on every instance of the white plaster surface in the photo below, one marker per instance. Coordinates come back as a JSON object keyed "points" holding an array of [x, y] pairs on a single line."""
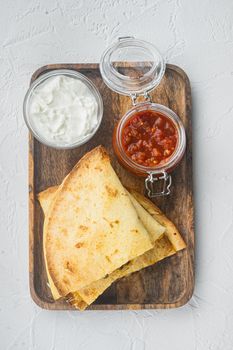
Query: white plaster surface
{"points": [[194, 34]]}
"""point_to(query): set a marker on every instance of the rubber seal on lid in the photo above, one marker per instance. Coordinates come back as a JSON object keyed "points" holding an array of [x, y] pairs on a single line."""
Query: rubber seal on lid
{"points": [[131, 66]]}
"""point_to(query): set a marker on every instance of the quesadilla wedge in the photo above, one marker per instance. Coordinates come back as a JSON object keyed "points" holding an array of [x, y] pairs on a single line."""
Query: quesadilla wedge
{"points": [[92, 227], [166, 246]]}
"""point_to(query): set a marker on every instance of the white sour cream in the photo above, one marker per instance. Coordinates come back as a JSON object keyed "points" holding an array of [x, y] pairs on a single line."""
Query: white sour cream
{"points": [[63, 110]]}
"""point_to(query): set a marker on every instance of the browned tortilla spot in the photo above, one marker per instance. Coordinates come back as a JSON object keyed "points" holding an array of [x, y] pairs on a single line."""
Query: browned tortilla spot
{"points": [[79, 245], [65, 281], [111, 191], [135, 230], [69, 267], [98, 168], [83, 228]]}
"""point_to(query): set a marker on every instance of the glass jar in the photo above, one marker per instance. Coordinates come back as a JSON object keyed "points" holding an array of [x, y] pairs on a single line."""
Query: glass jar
{"points": [[133, 67]]}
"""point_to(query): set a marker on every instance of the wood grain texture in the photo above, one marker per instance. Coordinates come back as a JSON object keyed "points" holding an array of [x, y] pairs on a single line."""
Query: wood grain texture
{"points": [[167, 284]]}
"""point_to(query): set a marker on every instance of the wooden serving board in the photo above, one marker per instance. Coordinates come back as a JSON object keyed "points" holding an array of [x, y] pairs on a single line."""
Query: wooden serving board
{"points": [[168, 283]]}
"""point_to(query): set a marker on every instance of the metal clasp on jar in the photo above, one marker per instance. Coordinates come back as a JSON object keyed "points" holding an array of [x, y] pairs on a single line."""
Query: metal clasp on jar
{"points": [[153, 178], [146, 95]]}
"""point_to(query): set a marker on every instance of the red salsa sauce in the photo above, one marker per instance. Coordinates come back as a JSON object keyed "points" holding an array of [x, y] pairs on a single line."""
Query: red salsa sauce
{"points": [[149, 138]]}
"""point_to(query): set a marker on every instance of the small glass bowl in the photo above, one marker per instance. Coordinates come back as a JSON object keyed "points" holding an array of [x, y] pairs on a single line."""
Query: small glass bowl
{"points": [[72, 74]]}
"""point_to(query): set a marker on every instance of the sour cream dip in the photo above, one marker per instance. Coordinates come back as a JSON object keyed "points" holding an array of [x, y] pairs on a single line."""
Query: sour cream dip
{"points": [[63, 110]]}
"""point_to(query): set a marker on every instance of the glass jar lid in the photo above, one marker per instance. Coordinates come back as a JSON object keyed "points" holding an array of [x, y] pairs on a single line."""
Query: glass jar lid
{"points": [[131, 66]]}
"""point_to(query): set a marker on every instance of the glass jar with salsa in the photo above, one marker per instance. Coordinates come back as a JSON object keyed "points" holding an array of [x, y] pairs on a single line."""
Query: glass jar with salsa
{"points": [[149, 140]]}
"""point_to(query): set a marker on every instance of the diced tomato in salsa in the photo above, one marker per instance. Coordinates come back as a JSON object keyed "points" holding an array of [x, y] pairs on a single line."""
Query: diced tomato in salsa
{"points": [[149, 138]]}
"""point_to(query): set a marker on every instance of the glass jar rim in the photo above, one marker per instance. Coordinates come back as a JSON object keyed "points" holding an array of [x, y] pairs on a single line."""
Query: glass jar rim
{"points": [[127, 85], [179, 151], [74, 74]]}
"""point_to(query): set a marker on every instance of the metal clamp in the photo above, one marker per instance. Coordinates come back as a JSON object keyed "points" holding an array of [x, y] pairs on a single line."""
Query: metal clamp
{"points": [[146, 95], [154, 177]]}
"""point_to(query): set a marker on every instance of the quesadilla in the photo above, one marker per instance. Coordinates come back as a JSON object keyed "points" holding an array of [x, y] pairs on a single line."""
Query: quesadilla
{"points": [[162, 248], [155, 231], [92, 227]]}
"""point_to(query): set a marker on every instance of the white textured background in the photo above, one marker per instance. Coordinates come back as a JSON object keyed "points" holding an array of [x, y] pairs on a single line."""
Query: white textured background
{"points": [[198, 36]]}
